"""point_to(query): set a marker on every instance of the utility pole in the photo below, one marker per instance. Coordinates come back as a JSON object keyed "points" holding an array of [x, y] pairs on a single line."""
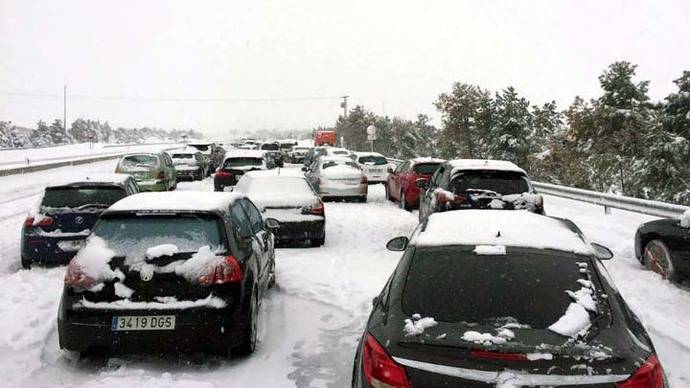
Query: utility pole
{"points": [[344, 106], [64, 109]]}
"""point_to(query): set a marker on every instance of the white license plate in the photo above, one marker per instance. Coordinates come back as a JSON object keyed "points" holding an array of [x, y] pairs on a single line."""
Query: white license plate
{"points": [[143, 322]]}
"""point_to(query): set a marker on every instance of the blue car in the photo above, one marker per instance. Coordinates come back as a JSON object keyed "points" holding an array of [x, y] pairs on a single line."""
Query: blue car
{"points": [[55, 230]]}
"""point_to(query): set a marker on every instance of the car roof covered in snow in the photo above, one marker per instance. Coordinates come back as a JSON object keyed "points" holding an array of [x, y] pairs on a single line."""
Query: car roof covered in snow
{"points": [[426, 159], [104, 178], [335, 158], [512, 228], [176, 201], [245, 154], [368, 154], [484, 164], [184, 151]]}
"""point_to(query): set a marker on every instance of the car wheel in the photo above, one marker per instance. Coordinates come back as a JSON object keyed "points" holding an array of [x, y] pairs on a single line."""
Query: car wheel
{"points": [[272, 274], [317, 242], [26, 264], [250, 331], [388, 194], [363, 199], [403, 202], [657, 258]]}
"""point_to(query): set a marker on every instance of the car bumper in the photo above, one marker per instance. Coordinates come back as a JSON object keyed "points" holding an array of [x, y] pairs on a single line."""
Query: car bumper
{"points": [[188, 174], [340, 191], [45, 251], [152, 185], [300, 230]]}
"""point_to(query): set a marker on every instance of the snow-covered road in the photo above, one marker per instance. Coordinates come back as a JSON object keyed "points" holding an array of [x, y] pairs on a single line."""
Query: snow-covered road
{"points": [[311, 321]]}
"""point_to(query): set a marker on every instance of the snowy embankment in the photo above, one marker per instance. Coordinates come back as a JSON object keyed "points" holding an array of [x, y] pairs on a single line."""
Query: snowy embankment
{"points": [[311, 321]]}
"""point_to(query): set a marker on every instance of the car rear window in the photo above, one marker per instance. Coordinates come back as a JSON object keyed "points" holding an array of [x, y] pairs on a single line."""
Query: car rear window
{"points": [[452, 284], [373, 160], [426, 168], [332, 163], [72, 197], [183, 156], [270, 147], [131, 235], [200, 147], [146, 161], [242, 162], [281, 186], [501, 182]]}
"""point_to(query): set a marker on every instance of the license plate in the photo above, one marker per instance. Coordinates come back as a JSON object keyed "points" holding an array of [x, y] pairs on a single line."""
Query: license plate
{"points": [[143, 322]]}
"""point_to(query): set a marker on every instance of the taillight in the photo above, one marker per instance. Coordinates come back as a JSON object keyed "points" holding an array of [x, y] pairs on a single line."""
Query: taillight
{"points": [[223, 174], [75, 276], [227, 270], [318, 209], [44, 221], [380, 369], [363, 180], [649, 375]]}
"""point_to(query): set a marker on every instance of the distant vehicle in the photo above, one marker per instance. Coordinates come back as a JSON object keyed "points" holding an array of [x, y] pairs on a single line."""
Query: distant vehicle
{"points": [[487, 298], [190, 164], [298, 153], [336, 151], [170, 272], [273, 149], [478, 184], [312, 154], [286, 147], [374, 165], [663, 246], [67, 212], [288, 197], [237, 164], [213, 152], [338, 178], [325, 138], [401, 183], [152, 171]]}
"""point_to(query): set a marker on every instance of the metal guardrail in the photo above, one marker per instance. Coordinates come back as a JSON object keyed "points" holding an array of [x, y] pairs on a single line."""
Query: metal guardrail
{"points": [[608, 201]]}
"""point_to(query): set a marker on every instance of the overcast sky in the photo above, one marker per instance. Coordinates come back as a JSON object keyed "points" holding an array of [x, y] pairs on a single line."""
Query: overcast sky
{"points": [[393, 57]]}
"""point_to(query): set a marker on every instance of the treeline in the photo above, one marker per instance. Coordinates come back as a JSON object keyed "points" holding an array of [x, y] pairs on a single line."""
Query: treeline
{"points": [[83, 131], [619, 142]]}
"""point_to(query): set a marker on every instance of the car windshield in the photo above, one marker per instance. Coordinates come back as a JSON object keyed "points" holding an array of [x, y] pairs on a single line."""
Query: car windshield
{"points": [[340, 152], [332, 163], [242, 162], [373, 160], [501, 182], [453, 284], [270, 147], [131, 235], [146, 161], [183, 156], [286, 146], [426, 168], [73, 197]]}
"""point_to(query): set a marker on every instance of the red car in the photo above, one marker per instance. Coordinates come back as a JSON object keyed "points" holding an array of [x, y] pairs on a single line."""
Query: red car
{"points": [[324, 138], [401, 184]]}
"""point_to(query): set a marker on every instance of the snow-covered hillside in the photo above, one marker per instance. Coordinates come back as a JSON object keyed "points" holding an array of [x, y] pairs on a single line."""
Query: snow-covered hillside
{"points": [[311, 321]]}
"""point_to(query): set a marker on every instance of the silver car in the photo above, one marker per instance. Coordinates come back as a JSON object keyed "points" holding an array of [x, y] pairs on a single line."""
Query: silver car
{"points": [[338, 178]]}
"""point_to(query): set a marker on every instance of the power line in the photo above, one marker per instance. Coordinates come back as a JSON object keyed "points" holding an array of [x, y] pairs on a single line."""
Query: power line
{"points": [[169, 99]]}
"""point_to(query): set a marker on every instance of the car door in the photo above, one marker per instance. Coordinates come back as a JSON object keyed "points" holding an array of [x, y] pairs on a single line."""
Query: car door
{"points": [[426, 204], [249, 247], [264, 239]]}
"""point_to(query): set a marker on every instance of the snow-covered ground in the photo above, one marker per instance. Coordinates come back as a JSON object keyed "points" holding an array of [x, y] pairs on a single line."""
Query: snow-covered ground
{"points": [[311, 321], [39, 156]]}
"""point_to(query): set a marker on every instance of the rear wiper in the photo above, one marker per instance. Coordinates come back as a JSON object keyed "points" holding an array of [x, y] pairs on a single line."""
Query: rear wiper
{"points": [[88, 205]]}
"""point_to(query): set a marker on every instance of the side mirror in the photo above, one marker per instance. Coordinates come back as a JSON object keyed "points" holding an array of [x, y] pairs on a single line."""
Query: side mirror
{"points": [[602, 252], [375, 301], [272, 223], [422, 183], [390, 169], [397, 244]]}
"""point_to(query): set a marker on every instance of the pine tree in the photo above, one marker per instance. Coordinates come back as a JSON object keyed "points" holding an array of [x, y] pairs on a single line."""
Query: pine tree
{"points": [[510, 135]]}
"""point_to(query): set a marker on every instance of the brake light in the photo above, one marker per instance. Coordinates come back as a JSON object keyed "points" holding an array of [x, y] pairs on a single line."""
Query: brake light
{"points": [[498, 355], [43, 221], [363, 180], [223, 174], [227, 270], [380, 369], [318, 209], [75, 277], [649, 375]]}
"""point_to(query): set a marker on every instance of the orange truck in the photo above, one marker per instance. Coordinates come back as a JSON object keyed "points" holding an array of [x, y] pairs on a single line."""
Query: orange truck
{"points": [[324, 138]]}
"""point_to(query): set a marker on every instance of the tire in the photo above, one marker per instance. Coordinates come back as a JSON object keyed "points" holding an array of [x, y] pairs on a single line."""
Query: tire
{"points": [[403, 202], [388, 194], [363, 199], [657, 257], [250, 331], [317, 242], [26, 264]]}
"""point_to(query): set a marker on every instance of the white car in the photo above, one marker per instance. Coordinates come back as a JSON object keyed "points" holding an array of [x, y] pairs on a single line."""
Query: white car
{"points": [[338, 178], [374, 165], [339, 152]]}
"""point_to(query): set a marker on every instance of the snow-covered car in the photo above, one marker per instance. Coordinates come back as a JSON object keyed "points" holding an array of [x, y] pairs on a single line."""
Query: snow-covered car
{"points": [[273, 150], [288, 197], [374, 165], [152, 171], [479, 299], [298, 153], [339, 152], [313, 154], [478, 184], [170, 272], [213, 153], [236, 164], [189, 164], [338, 178], [663, 246], [401, 184], [65, 215]]}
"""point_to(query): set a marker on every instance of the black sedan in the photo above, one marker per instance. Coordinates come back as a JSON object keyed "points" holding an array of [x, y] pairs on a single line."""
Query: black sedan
{"points": [[169, 272], [663, 246], [492, 304]]}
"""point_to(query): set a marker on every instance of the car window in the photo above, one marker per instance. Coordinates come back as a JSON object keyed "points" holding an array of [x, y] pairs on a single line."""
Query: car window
{"points": [[426, 168], [75, 197], [373, 160], [257, 222], [453, 284], [501, 182], [436, 178], [240, 221], [242, 162]]}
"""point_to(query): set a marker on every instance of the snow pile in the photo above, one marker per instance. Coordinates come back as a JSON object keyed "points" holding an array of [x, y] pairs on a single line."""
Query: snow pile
{"points": [[490, 250], [198, 265], [161, 250], [169, 303], [58, 233], [685, 219], [123, 291], [504, 335], [576, 321], [481, 164], [94, 258], [176, 200], [539, 356], [417, 325], [341, 171]]}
